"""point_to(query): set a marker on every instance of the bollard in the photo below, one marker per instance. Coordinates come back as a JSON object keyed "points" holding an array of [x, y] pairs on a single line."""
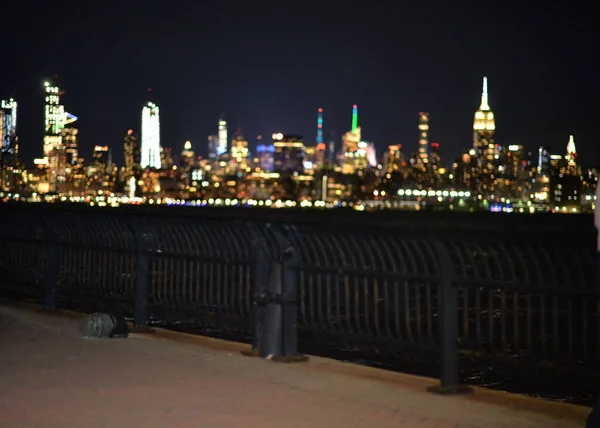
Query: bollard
{"points": [[271, 344], [280, 338], [450, 383], [275, 305]]}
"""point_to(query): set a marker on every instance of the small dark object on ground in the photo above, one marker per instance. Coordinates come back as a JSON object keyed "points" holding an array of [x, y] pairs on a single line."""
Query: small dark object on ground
{"points": [[100, 325]]}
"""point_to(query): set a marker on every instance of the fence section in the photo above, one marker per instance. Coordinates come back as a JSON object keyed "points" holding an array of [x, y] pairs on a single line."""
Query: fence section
{"points": [[380, 290]]}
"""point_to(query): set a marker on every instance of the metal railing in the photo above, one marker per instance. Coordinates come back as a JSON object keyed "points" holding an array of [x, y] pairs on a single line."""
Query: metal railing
{"points": [[376, 289]]}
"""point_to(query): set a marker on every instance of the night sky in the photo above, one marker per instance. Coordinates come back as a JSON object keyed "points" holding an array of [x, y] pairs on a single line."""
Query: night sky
{"points": [[269, 65]]}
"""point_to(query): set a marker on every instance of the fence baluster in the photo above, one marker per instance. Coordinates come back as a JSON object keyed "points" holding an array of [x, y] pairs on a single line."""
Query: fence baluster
{"points": [[450, 383], [142, 271]]}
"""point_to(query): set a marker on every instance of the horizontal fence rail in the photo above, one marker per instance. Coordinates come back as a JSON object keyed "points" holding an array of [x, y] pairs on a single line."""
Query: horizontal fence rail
{"points": [[366, 288]]}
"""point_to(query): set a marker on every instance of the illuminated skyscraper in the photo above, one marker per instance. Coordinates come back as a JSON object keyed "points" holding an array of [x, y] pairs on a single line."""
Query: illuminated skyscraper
{"points": [[435, 155], [55, 150], [319, 126], [354, 117], [514, 162], [102, 159], [289, 153], [187, 161], [350, 142], [423, 137], [222, 138], [55, 118], [571, 152], [131, 151], [71, 144], [187, 151], [544, 161], [565, 183], [484, 128], [239, 149], [8, 124], [266, 159], [150, 136], [371, 154], [213, 143]]}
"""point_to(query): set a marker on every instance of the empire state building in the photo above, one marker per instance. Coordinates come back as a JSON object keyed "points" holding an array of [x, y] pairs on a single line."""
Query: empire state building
{"points": [[484, 127]]}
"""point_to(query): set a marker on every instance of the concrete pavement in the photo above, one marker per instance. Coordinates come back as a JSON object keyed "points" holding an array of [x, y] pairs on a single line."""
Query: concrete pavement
{"points": [[52, 377]]}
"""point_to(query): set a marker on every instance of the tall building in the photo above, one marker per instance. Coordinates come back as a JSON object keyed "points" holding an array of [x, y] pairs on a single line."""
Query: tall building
{"points": [[354, 117], [166, 158], [266, 158], [102, 159], [186, 164], [515, 156], [331, 152], [484, 128], [131, 151], [150, 136], [565, 180], [213, 144], [542, 179], [54, 118], [435, 158], [371, 154], [392, 159], [187, 154], [239, 149], [544, 161], [8, 125], [423, 137], [71, 144], [222, 138], [350, 142], [319, 126], [571, 152], [289, 153], [55, 151]]}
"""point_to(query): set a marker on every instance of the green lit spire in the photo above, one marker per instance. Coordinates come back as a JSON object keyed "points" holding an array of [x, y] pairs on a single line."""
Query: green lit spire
{"points": [[354, 117]]}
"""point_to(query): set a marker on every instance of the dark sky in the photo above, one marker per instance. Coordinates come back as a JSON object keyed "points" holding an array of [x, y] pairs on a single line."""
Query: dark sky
{"points": [[270, 65]]}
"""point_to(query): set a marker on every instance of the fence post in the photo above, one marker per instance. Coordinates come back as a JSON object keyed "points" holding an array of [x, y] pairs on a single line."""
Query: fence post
{"points": [[279, 339], [261, 267], [290, 304], [142, 268], [271, 345], [448, 292], [52, 260]]}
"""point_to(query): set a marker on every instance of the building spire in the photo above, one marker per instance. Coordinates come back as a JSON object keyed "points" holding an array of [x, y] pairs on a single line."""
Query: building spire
{"points": [[571, 145], [484, 96], [571, 151], [354, 117]]}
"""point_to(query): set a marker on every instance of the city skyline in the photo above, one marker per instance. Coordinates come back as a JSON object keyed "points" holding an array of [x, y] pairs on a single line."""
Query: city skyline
{"points": [[489, 175], [420, 146], [400, 60]]}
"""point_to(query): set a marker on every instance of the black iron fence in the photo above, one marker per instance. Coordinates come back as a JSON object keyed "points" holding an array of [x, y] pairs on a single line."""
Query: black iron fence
{"points": [[376, 289]]}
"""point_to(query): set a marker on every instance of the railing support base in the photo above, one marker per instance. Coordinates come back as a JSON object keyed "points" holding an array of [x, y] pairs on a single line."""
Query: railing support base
{"points": [[291, 359], [454, 390], [251, 353]]}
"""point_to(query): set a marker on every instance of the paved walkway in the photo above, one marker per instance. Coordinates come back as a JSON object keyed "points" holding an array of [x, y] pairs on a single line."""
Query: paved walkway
{"points": [[51, 377]]}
